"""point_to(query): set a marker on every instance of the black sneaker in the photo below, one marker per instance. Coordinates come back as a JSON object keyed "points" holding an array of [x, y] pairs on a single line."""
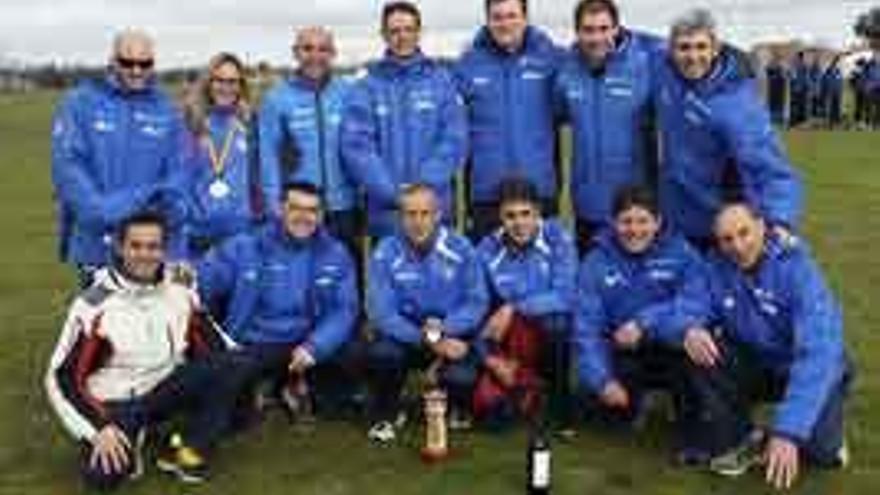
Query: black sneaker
{"points": [[182, 461]]}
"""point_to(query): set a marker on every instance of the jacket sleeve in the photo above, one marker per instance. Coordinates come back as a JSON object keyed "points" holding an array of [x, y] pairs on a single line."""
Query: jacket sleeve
{"points": [[449, 149], [768, 179], [78, 353], [382, 304], [818, 353], [216, 272], [74, 185], [337, 301], [465, 319], [359, 138], [591, 349], [270, 140], [563, 272]]}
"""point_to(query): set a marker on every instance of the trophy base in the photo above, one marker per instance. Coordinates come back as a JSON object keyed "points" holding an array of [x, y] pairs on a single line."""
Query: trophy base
{"points": [[432, 456]]}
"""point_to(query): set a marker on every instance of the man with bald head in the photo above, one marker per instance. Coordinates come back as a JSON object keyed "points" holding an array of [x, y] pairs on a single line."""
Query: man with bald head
{"points": [[299, 134], [767, 327], [114, 152]]}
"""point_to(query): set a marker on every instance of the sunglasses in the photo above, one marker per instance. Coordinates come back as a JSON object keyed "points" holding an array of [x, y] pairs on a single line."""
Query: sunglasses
{"points": [[131, 63]]}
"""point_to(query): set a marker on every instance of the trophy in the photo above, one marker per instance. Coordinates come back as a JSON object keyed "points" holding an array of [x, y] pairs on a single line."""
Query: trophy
{"points": [[436, 446]]}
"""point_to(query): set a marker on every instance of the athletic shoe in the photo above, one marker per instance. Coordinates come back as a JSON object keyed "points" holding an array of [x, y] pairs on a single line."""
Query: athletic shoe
{"points": [[137, 454], [737, 461], [182, 461]]}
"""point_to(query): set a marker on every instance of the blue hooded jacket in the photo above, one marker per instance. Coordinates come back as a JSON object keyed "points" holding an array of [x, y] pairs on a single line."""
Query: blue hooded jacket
{"points": [[510, 112], [616, 287], [538, 279], [217, 217], [115, 152], [281, 290], [307, 119], [404, 123], [611, 114], [785, 312], [405, 287], [718, 143]]}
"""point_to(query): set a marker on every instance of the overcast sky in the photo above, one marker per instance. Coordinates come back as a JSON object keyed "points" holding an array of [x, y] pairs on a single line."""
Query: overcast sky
{"points": [[189, 31]]}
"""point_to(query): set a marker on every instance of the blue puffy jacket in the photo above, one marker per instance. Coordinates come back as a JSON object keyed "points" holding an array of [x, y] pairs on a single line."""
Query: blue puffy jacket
{"points": [[510, 110], [215, 217], [406, 287], [616, 287], [786, 313], [870, 79], [718, 142], [611, 114], [305, 118], [281, 290], [114, 152], [404, 123], [539, 279]]}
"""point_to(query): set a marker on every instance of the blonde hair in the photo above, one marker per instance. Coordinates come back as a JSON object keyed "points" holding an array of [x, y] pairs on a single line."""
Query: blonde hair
{"points": [[198, 101]]}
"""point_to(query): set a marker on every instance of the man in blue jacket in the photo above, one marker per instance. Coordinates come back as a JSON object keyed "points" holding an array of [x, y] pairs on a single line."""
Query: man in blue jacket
{"points": [[300, 122], [404, 122], [530, 265], [717, 139], [798, 91], [426, 298], [779, 336], [604, 89], [628, 329], [506, 80], [287, 291], [114, 152]]}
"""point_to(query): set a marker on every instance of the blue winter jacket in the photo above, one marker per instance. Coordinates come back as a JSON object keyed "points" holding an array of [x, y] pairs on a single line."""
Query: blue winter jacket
{"points": [[612, 120], [405, 287], [538, 279], [300, 124], [510, 113], [281, 290], [616, 287], [215, 217], [404, 123], [788, 316], [114, 152], [717, 143]]}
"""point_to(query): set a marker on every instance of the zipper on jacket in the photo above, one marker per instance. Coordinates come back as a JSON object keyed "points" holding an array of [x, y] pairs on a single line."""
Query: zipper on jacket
{"points": [[322, 159], [510, 118]]}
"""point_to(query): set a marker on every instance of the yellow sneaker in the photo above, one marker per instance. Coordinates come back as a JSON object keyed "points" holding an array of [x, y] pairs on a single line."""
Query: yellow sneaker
{"points": [[183, 461]]}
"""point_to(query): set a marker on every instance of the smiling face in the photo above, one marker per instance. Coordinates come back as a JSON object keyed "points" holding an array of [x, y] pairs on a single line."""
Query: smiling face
{"points": [[314, 52], [521, 220], [133, 61], [740, 235], [507, 23], [302, 214], [226, 85], [596, 35], [694, 53], [401, 33], [142, 250], [636, 229]]}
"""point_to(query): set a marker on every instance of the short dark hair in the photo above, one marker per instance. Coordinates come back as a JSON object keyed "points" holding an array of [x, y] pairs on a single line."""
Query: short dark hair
{"points": [[401, 6], [487, 5], [301, 187], [141, 218], [594, 7], [516, 189], [635, 195]]}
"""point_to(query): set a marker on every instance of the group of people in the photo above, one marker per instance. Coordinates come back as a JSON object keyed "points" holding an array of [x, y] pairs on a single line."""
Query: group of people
{"points": [[219, 247], [808, 90]]}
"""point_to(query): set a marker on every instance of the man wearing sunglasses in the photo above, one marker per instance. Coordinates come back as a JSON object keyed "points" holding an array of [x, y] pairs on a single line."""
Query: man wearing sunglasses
{"points": [[717, 139], [114, 152]]}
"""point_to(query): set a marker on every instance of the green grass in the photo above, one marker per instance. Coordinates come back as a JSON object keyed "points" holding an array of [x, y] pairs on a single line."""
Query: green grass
{"points": [[843, 222]]}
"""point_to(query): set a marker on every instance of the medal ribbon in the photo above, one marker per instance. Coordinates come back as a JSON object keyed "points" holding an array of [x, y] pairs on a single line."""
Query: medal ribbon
{"points": [[218, 162]]}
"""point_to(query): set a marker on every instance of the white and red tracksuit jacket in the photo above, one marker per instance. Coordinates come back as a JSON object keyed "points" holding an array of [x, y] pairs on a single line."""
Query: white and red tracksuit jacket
{"points": [[121, 339]]}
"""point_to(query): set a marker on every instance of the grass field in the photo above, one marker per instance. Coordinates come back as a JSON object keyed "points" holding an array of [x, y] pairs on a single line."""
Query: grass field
{"points": [[842, 171]]}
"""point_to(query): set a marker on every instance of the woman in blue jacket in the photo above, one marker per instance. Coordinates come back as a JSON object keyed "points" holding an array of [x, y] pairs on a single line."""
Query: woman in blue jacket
{"points": [[218, 155], [628, 324]]}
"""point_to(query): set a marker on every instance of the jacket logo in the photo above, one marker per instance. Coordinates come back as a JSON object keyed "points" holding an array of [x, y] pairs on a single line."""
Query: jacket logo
{"points": [[382, 110], [728, 303], [613, 279], [152, 130], [421, 105], [103, 126], [532, 76], [480, 81]]}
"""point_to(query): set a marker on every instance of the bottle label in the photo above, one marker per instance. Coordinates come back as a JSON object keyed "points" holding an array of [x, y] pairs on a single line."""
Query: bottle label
{"points": [[541, 469]]}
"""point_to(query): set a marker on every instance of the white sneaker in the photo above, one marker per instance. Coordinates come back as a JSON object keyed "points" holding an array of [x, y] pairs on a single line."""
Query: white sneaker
{"points": [[137, 454], [843, 456], [382, 432]]}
